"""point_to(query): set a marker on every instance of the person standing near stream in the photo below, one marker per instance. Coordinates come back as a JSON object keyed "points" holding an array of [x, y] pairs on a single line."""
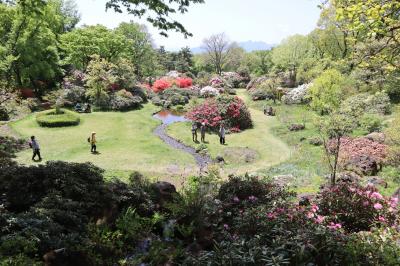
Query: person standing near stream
{"points": [[222, 134], [203, 132], [194, 132]]}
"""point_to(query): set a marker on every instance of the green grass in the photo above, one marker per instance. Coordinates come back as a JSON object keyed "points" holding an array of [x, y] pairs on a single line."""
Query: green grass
{"points": [[125, 142], [270, 150]]}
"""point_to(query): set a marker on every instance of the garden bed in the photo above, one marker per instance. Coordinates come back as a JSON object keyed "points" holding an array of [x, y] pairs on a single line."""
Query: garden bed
{"points": [[64, 118]]}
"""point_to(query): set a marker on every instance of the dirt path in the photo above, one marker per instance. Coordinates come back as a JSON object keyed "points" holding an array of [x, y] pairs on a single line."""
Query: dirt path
{"points": [[201, 160]]}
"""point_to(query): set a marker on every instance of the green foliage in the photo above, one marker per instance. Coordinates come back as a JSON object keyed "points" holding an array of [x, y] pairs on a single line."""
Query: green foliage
{"points": [[393, 139], [83, 43], [371, 123], [30, 32], [138, 48], [326, 93], [335, 126], [268, 90], [124, 101], [99, 78], [290, 54], [161, 20], [52, 118], [379, 247]]}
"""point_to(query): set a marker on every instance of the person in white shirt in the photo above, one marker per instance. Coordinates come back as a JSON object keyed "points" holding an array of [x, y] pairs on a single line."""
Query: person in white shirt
{"points": [[35, 148]]}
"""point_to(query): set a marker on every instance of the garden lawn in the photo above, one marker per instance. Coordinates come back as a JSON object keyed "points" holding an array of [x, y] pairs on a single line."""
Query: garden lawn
{"points": [[259, 140], [125, 141]]}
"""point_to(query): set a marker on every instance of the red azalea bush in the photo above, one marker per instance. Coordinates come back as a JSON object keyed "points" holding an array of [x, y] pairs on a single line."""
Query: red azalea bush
{"points": [[353, 207], [184, 83], [229, 110], [161, 85]]}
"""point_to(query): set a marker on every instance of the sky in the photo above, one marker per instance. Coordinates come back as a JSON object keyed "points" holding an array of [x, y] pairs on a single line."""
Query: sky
{"points": [[269, 21]]}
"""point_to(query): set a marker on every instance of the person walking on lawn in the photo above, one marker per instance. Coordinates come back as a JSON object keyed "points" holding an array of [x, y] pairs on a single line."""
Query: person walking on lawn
{"points": [[35, 148], [194, 132], [203, 132], [92, 141], [222, 134]]}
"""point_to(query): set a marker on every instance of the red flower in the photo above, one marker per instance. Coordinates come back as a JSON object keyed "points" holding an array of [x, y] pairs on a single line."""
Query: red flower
{"points": [[161, 85]]}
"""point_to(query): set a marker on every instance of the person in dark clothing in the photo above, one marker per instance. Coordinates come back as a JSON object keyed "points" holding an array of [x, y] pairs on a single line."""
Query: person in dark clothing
{"points": [[35, 148], [222, 134], [194, 132], [203, 132]]}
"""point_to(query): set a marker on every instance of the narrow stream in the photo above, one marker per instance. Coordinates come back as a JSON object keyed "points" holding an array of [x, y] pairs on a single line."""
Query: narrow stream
{"points": [[167, 117]]}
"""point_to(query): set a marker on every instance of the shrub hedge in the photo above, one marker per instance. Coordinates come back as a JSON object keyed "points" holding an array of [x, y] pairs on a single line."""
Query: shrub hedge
{"points": [[64, 118]]}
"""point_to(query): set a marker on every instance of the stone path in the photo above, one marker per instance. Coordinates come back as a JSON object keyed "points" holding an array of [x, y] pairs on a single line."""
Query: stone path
{"points": [[201, 160]]}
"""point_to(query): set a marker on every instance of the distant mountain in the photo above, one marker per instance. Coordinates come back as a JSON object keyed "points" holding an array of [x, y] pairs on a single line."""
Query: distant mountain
{"points": [[248, 46]]}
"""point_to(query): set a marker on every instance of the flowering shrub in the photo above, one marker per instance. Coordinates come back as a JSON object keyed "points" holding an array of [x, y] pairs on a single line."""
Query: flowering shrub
{"points": [[161, 85], [124, 100], [360, 153], [216, 82], [184, 83], [354, 208], [208, 92], [229, 110]]}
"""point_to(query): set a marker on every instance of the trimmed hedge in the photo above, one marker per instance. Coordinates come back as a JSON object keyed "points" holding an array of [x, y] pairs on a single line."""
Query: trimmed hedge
{"points": [[50, 118]]}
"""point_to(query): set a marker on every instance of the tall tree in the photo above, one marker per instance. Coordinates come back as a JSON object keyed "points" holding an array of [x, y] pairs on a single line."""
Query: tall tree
{"points": [[184, 62], [290, 54], [81, 44], [139, 49], [29, 43], [217, 48]]}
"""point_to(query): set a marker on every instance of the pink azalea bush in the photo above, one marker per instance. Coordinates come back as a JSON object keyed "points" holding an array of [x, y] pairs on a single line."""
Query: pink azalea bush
{"points": [[354, 207], [361, 153], [229, 110], [216, 82]]}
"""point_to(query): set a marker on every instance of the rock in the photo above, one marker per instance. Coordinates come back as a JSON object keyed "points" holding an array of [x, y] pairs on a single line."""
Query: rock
{"points": [[283, 180], [377, 137], [296, 95], [219, 159], [297, 127], [254, 83], [239, 155], [316, 141], [377, 181], [164, 192], [348, 177], [363, 164]]}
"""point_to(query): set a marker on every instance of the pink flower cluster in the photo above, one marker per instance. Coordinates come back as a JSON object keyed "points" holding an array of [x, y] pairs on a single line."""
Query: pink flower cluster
{"points": [[353, 148], [207, 113]]}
